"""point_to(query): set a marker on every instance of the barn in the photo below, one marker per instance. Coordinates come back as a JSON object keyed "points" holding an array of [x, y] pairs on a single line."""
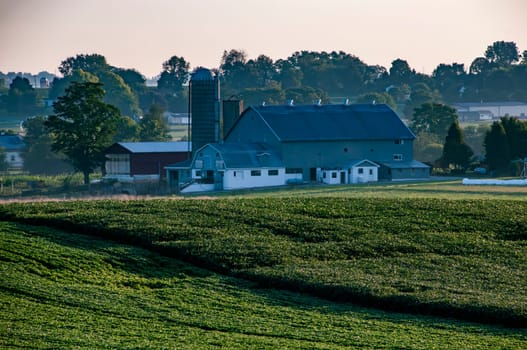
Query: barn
{"points": [[333, 144], [143, 161]]}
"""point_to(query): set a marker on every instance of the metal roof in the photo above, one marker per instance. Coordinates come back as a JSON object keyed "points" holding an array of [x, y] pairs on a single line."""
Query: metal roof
{"points": [[247, 155], [489, 104], [405, 164], [155, 147], [333, 122], [11, 142]]}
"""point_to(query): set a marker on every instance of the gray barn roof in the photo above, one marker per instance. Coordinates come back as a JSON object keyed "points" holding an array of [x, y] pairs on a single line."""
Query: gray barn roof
{"points": [[247, 155], [333, 122], [151, 147]]}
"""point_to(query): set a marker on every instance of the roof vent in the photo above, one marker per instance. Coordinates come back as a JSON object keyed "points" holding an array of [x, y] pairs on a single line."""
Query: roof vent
{"points": [[318, 102], [263, 103], [290, 103], [346, 102]]}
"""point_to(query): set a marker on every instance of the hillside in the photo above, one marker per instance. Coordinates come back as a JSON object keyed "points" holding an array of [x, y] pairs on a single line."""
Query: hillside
{"points": [[457, 258], [66, 290]]}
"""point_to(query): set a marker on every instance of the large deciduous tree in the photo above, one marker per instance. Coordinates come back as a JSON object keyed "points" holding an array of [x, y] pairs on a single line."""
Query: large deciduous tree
{"points": [[175, 73], [455, 151], [433, 118], [503, 53], [83, 126], [93, 67]]}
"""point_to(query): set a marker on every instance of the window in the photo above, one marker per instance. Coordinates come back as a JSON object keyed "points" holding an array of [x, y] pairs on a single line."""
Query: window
{"points": [[234, 173], [397, 157], [198, 173], [256, 173], [220, 164], [324, 175], [346, 150], [272, 172], [360, 170], [118, 164], [198, 164], [371, 171], [399, 142], [333, 174]]}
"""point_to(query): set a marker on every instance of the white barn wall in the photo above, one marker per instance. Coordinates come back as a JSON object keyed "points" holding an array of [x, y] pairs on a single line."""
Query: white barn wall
{"points": [[241, 178]]}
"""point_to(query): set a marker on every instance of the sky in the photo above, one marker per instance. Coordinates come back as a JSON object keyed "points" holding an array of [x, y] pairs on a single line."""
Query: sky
{"points": [[37, 35]]}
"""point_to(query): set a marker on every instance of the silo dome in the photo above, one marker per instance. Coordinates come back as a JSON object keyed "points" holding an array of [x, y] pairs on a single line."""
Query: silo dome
{"points": [[202, 74]]}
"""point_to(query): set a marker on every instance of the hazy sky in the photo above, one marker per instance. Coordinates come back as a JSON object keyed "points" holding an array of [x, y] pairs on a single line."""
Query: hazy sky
{"points": [[36, 35]]}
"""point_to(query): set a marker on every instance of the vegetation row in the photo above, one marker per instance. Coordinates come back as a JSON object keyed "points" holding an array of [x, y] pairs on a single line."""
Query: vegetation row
{"points": [[456, 258], [61, 290]]}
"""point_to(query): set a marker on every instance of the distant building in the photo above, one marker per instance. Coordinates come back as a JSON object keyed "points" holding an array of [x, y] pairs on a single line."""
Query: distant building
{"points": [[490, 110], [133, 162], [13, 146], [44, 83]]}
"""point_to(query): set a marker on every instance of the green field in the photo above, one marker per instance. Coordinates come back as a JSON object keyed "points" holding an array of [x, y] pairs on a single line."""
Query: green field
{"points": [[361, 267]]}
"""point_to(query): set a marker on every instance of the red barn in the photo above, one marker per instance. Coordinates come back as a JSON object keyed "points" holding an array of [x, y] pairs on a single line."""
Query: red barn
{"points": [[143, 161]]}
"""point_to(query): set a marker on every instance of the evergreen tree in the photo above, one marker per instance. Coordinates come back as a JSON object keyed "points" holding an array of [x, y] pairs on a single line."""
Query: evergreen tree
{"points": [[497, 148], [455, 151]]}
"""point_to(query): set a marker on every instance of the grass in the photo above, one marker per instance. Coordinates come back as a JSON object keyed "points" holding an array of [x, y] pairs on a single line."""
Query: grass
{"points": [[66, 290], [460, 258]]}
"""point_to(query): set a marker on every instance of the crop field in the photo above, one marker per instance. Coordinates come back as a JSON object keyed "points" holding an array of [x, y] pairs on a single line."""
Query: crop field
{"points": [[65, 290]]}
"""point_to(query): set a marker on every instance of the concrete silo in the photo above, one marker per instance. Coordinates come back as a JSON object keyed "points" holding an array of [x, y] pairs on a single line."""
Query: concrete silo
{"points": [[204, 108]]}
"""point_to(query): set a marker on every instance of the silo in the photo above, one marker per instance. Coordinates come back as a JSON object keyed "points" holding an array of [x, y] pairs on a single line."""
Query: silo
{"points": [[204, 108], [232, 109]]}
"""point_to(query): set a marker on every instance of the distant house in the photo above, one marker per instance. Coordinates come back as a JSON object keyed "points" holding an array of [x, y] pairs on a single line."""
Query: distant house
{"points": [[491, 110], [333, 144], [13, 146], [142, 161]]}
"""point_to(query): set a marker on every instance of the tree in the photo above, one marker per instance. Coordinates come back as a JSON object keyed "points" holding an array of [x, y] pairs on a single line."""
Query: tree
{"points": [[235, 71], [21, 98], [83, 126], [516, 131], [400, 72], [433, 118], [92, 63], [378, 98], [127, 130], [420, 94], [119, 94], [502, 53], [497, 151], [38, 156], [479, 65], [455, 151], [153, 126], [175, 73], [94, 68], [449, 79]]}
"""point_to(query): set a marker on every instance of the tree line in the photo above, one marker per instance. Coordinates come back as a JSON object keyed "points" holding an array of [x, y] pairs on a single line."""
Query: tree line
{"points": [[304, 77]]}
